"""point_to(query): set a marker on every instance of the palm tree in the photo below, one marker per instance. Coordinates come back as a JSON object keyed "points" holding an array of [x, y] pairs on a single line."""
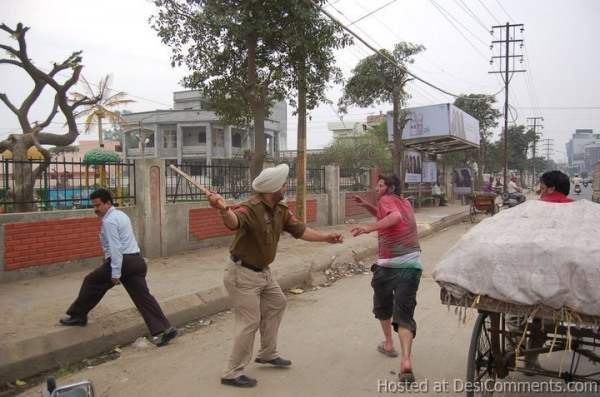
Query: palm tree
{"points": [[104, 108]]}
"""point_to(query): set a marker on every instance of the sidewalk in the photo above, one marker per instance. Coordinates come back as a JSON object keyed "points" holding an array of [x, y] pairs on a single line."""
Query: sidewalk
{"points": [[188, 287]]}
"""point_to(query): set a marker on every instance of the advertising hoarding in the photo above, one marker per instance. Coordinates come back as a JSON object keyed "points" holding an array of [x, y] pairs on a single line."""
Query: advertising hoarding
{"points": [[437, 121]]}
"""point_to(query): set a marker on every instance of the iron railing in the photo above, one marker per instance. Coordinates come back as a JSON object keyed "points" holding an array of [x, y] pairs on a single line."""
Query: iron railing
{"points": [[62, 185], [315, 181], [355, 179], [230, 181]]}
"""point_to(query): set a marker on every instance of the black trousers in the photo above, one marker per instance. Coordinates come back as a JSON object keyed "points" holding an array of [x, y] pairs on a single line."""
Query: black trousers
{"points": [[133, 278]]}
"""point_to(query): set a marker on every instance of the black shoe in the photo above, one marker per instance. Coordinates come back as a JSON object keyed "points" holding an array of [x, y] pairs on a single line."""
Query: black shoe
{"points": [[278, 362], [240, 381], [164, 338], [73, 321]]}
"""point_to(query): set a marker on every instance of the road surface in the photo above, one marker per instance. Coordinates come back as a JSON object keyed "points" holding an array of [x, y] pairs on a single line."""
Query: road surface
{"points": [[586, 193], [329, 334]]}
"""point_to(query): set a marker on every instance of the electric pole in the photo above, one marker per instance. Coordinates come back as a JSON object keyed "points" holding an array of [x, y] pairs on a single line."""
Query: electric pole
{"points": [[548, 147], [535, 139], [508, 53]]}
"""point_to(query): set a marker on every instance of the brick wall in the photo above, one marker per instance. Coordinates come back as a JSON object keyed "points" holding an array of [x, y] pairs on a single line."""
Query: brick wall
{"points": [[352, 208], [29, 244], [205, 223]]}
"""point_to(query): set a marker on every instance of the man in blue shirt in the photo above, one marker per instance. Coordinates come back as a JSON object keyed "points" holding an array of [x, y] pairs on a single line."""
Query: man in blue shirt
{"points": [[123, 264]]}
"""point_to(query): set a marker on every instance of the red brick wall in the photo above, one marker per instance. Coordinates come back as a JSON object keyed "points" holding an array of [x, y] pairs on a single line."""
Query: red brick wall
{"points": [[45, 242], [352, 208], [311, 209], [206, 223]]}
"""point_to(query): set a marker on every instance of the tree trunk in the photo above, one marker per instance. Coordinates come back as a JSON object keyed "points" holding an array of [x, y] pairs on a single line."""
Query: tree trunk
{"points": [[23, 181], [301, 158], [100, 137], [481, 163], [398, 148], [258, 107]]}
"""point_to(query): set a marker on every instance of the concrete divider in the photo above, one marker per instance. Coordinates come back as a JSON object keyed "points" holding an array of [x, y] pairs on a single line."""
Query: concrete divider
{"points": [[59, 348]]}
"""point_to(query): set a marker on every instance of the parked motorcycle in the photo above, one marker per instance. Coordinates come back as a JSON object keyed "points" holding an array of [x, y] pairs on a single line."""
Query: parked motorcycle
{"points": [[80, 389], [510, 200]]}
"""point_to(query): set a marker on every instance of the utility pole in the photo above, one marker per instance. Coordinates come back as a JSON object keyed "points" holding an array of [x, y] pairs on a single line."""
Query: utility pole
{"points": [[535, 139], [548, 147], [507, 52]]}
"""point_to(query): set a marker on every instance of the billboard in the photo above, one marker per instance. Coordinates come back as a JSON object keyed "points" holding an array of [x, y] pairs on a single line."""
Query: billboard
{"points": [[462, 180], [429, 172], [437, 121], [413, 166]]}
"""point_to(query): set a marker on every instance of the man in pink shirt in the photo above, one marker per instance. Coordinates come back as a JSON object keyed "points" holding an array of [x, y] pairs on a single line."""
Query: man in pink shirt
{"points": [[397, 273]]}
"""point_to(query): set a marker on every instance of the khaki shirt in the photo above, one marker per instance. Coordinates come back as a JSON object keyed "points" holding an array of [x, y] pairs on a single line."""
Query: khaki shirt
{"points": [[260, 226]]}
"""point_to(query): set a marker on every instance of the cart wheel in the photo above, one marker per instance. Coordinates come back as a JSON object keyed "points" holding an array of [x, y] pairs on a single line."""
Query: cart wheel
{"points": [[473, 214], [481, 365]]}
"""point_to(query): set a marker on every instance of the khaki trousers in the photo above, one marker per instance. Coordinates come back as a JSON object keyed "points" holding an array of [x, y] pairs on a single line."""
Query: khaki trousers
{"points": [[258, 303]]}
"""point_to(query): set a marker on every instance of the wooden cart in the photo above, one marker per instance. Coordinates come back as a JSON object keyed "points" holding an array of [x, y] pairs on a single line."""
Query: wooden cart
{"points": [[483, 203], [500, 345]]}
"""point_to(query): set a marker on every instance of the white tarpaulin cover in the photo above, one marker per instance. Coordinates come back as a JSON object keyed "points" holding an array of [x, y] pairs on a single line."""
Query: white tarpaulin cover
{"points": [[536, 253]]}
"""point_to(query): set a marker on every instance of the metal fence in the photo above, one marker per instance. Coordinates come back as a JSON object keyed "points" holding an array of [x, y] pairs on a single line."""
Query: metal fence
{"points": [[355, 179], [230, 181], [62, 185], [315, 181]]}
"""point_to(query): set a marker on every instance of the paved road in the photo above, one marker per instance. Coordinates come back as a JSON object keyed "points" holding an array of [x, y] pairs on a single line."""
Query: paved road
{"points": [[586, 193], [329, 334]]}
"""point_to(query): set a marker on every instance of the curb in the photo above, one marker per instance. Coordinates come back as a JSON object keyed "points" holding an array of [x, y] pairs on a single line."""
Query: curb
{"points": [[68, 345]]}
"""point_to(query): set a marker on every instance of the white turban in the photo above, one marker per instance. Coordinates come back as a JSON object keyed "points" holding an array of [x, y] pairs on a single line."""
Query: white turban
{"points": [[271, 179]]}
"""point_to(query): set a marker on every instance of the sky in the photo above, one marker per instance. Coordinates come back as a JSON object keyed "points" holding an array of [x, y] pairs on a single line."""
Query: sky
{"points": [[562, 82]]}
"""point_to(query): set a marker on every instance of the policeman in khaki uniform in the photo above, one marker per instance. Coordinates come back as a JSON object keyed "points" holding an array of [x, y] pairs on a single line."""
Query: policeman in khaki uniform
{"points": [[257, 299]]}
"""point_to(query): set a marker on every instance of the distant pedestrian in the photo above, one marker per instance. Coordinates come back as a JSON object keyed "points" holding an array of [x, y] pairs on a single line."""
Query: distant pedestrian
{"points": [[257, 299], [123, 264], [397, 273]]}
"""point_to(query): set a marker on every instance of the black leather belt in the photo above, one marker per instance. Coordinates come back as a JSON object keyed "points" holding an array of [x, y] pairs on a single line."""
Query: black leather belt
{"points": [[251, 267], [134, 254]]}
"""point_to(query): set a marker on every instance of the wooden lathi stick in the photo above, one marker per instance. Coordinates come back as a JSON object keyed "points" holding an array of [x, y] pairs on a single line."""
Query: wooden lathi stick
{"points": [[190, 180]]}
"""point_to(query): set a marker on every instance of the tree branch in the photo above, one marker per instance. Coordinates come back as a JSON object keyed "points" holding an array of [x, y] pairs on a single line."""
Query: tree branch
{"points": [[11, 62], [47, 156], [9, 49], [53, 113], [9, 104]]}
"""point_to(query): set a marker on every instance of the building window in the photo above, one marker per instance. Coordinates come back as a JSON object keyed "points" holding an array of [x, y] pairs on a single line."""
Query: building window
{"points": [[218, 137], [269, 144], [194, 136], [170, 137], [149, 141], [236, 138]]}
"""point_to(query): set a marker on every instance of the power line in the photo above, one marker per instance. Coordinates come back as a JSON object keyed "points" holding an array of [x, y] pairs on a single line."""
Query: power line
{"points": [[506, 12], [458, 22], [391, 60], [472, 14], [441, 11], [373, 12], [489, 12], [423, 56]]}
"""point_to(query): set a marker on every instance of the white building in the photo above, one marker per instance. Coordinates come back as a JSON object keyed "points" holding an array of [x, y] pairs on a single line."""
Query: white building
{"points": [[353, 129], [576, 148], [191, 132]]}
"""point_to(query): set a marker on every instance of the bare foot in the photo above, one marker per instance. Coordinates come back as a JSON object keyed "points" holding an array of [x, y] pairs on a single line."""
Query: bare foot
{"points": [[388, 345], [405, 365]]}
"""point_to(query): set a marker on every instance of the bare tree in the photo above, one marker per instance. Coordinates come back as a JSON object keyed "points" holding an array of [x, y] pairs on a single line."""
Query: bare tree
{"points": [[32, 132]]}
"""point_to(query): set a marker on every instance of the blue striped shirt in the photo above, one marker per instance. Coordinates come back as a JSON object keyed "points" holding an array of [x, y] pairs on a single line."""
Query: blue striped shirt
{"points": [[117, 239]]}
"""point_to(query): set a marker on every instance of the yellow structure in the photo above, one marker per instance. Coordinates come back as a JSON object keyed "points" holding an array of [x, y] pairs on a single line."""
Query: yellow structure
{"points": [[32, 154]]}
